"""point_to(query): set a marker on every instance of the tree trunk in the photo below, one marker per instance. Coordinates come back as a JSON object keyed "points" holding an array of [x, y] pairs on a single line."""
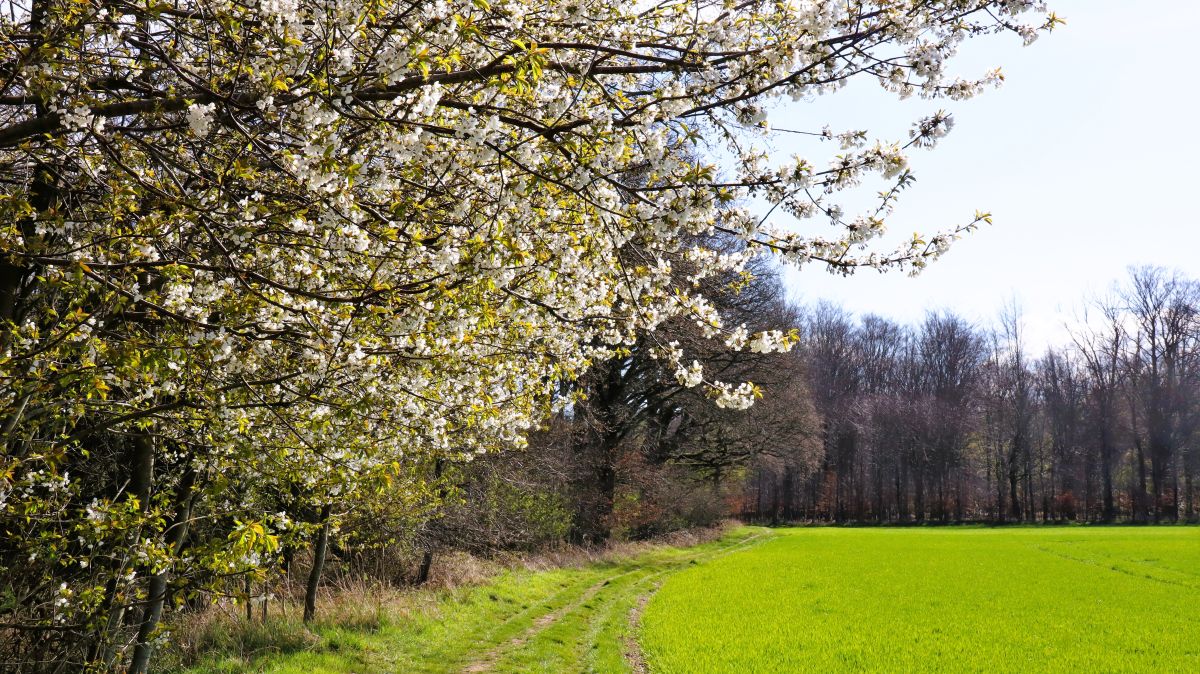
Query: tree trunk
{"points": [[606, 484], [1106, 471], [1140, 505], [1030, 501], [318, 565], [960, 506], [427, 556], [1175, 489], [919, 494], [879, 495], [176, 535], [788, 488], [1014, 482], [249, 597], [1189, 501], [141, 485], [1157, 482]]}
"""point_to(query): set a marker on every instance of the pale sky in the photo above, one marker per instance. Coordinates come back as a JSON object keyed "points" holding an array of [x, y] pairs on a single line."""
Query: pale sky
{"points": [[1087, 157]]}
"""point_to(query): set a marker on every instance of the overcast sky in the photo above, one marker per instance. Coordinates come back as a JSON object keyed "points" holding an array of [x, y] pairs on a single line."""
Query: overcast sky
{"points": [[1087, 157]]}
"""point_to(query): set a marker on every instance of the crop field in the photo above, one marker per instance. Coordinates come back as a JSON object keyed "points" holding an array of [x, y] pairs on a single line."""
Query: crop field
{"points": [[1118, 599]]}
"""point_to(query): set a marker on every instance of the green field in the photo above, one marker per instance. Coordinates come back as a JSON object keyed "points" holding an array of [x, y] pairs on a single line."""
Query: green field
{"points": [[1069, 599], [1117, 599]]}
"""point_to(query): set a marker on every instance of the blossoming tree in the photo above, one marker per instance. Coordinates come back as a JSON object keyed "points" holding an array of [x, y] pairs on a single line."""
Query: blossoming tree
{"points": [[313, 244]]}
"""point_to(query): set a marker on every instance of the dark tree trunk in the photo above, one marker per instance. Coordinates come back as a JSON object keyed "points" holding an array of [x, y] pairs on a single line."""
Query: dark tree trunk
{"points": [[1157, 480], [427, 556], [1189, 499], [176, 534], [425, 567], [901, 496], [880, 516], [919, 494], [1140, 505], [318, 565], [249, 596], [606, 487], [1014, 482], [141, 486], [788, 488], [1106, 475], [1175, 490], [1030, 502]]}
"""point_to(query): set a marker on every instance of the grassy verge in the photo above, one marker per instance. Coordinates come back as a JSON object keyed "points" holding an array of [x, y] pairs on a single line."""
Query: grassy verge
{"points": [[571, 619]]}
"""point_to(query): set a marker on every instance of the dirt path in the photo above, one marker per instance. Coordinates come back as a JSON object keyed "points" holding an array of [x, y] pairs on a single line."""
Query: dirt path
{"points": [[633, 650]]}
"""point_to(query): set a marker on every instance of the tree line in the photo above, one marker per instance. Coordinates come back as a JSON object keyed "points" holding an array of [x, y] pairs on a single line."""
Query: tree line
{"points": [[946, 421]]}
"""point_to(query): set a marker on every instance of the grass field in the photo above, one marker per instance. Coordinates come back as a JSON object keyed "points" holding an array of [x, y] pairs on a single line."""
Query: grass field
{"points": [[1117, 599], [1070, 599]]}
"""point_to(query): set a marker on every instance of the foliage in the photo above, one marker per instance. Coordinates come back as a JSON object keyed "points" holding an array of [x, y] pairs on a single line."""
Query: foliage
{"points": [[506, 503]]}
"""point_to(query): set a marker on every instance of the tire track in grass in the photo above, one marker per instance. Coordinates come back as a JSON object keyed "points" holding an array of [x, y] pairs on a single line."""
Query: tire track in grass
{"points": [[1114, 564], [633, 650], [547, 603], [608, 632], [611, 593], [489, 660], [599, 646]]}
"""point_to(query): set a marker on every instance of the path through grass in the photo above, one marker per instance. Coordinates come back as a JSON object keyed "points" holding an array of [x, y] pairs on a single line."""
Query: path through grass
{"points": [[559, 621]]}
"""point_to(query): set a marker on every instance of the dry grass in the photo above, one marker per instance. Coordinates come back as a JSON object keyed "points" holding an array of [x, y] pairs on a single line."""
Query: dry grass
{"points": [[356, 606], [576, 556]]}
